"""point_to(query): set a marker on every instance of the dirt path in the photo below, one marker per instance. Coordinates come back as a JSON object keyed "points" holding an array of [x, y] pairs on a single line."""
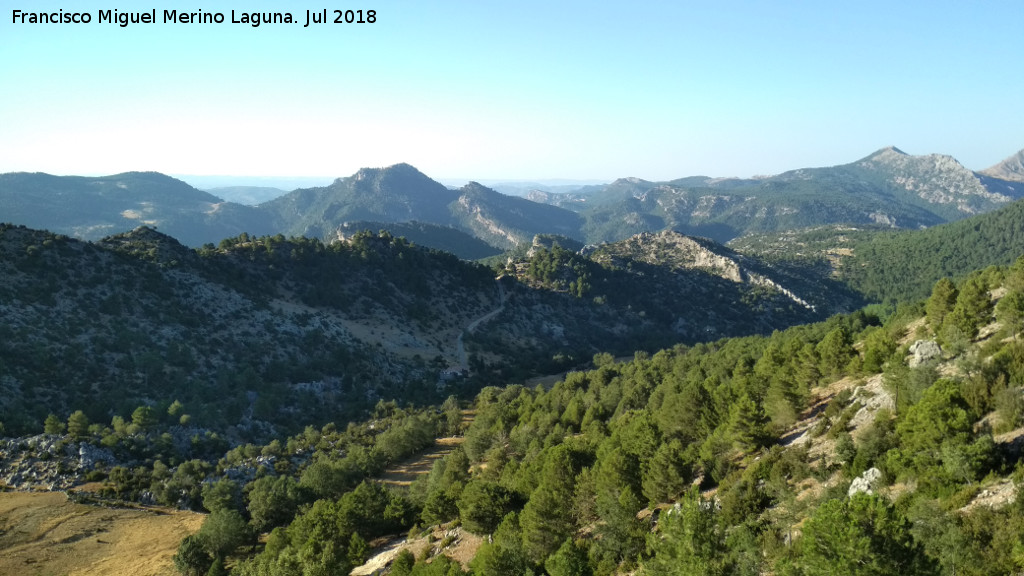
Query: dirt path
{"points": [[403, 473], [459, 343], [44, 533]]}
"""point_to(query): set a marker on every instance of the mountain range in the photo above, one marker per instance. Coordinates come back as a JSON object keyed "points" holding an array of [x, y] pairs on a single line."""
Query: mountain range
{"points": [[888, 187], [886, 440]]}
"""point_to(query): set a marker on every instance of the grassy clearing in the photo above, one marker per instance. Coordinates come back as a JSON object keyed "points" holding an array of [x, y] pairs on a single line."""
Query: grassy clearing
{"points": [[45, 534]]}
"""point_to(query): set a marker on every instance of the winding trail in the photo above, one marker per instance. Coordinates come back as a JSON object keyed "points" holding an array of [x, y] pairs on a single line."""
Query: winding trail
{"points": [[460, 344]]}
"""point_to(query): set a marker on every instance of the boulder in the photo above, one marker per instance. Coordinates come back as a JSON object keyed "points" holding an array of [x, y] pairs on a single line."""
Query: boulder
{"points": [[866, 482], [924, 351]]}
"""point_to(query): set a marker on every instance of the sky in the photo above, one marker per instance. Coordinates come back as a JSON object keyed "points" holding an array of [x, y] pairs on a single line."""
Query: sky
{"points": [[524, 90]]}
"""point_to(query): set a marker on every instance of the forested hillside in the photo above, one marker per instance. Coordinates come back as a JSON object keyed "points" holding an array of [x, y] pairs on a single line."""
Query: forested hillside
{"points": [[288, 332], [853, 446], [900, 266], [444, 238], [894, 266], [247, 335]]}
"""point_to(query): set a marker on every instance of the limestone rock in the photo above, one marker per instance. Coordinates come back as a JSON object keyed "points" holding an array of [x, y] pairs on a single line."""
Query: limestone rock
{"points": [[866, 482], [924, 351]]}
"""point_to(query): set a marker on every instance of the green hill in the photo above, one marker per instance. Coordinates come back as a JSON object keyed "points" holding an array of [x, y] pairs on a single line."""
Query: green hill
{"points": [[401, 194], [91, 208], [254, 332], [276, 327], [894, 266], [444, 238]]}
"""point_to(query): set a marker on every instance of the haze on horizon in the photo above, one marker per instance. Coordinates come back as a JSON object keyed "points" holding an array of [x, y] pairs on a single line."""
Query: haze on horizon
{"points": [[524, 91]]}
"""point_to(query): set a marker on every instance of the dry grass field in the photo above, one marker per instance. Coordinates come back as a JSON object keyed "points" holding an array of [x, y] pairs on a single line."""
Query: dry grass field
{"points": [[44, 534]]}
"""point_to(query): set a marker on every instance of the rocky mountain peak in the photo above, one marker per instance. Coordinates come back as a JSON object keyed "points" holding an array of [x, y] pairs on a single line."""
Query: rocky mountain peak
{"points": [[1011, 168], [630, 181], [887, 155], [474, 187], [935, 178], [892, 150]]}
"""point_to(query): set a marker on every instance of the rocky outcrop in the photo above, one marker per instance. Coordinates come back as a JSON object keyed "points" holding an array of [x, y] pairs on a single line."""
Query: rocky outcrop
{"points": [[48, 462], [683, 252], [1011, 169], [759, 280], [872, 397], [924, 351], [866, 482], [935, 178]]}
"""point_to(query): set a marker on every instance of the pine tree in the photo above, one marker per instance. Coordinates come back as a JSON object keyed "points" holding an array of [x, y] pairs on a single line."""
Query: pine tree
{"points": [[941, 302], [835, 351], [452, 416], [807, 371], [192, 558], [403, 563], [860, 536], [142, 419], [547, 518], [223, 531], [667, 475], [273, 501], [782, 400], [569, 560], [689, 541], [175, 410], [482, 505], [748, 424], [78, 425], [358, 550], [878, 347], [1010, 312], [503, 556], [617, 502], [53, 425], [973, 308], [1014, 280], [682, 413], [622, 535], [217, 568]]}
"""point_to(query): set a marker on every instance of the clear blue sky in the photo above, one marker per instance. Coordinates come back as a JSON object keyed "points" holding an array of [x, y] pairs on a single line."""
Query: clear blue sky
{"points": [[516, 90]]}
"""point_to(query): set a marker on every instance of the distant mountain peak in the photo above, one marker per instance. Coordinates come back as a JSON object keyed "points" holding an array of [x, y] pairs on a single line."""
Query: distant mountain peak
{"points": [[1012, 168], [886, 153], [398, 180], [473, 186], [395, 169], [893, 156], [630, 180]]}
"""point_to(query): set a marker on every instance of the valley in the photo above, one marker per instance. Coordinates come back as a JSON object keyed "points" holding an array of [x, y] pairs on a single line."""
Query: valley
{"points": [[812, 368]]}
